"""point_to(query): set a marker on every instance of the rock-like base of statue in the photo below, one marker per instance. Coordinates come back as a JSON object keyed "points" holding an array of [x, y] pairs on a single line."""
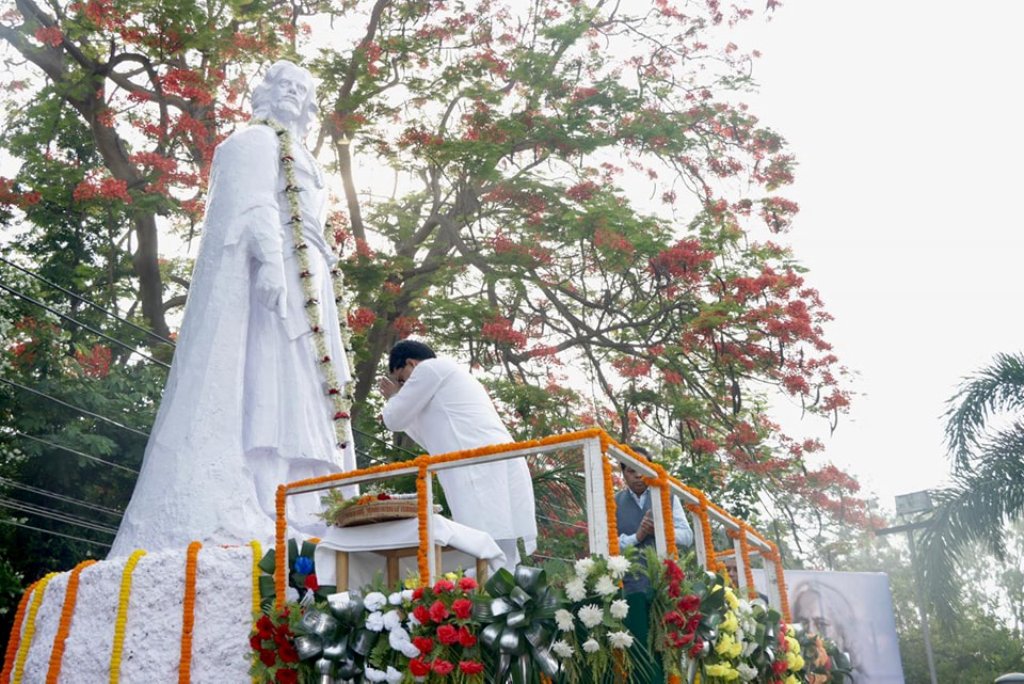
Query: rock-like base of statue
{"points": [[153, 638]]}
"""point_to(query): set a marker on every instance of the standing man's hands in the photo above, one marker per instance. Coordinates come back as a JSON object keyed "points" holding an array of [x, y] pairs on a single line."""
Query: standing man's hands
{"points": [[646, 528], [388, 387]]}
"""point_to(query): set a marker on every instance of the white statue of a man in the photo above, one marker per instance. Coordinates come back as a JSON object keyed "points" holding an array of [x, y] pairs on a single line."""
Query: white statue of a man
{"points": [[252, 397]]}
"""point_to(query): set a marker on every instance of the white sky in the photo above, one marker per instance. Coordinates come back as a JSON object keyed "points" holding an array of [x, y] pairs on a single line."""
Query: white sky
{"points": [[904, 118]]}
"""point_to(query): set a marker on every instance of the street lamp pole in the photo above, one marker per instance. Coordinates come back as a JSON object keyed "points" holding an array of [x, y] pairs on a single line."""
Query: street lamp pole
{"points": [[906, 504]]}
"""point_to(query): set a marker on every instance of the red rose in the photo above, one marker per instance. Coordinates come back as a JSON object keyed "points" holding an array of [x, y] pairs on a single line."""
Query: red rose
{"points": [[694, 623], [447, 635], [471, 667], [417, 593], [424, 644], [442, 667], [286, 677], [438, 611], [442, 586], [697, 647], [287, 653], [689, 603], [779, 666], [255, 643], [466, 637], [311, 582], [421, 614], [674, 617], [467, 584], [265, 627], [418, 667], [462, 608], [383, 496], [268, 657]]}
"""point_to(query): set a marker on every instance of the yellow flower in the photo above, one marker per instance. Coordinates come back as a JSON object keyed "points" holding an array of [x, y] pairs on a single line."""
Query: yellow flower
{"points": [[794, 662], [411, 582], [730, 598], [792, 645], [722, 671], [791, 679], [451, 576], [730, 623]]}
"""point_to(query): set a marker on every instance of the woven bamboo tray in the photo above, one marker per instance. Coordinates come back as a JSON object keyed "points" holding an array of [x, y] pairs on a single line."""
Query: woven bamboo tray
{"points": [[377, 511]]}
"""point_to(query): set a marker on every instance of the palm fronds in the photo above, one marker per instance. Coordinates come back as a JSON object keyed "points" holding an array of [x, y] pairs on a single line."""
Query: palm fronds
{"points": [[997, 387]]}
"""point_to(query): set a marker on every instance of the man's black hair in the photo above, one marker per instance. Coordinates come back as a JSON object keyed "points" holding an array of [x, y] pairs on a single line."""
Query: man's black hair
{"points": [[406, 350], [638, 449]]}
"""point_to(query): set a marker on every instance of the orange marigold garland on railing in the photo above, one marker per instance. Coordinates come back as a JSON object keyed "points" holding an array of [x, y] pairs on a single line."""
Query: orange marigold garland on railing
{"points": [[423, 518], [64, 626], [701, 509], [121, 621], [666, 508], [780, 575], [30, 627], [748, 572], [609, 505], [14, 639], [188, 620], [280, 550]]}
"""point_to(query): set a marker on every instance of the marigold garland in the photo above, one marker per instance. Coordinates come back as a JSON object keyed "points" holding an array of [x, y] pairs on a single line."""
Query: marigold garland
{"points": [[339, 395], [30, 627], [666, 509], [748, 572], [776, 558], [121, 621], [64, 626], [701, 509], [188, 620], [609, 507], [257, 554], [423, 519], [280, 549], [15, 638]]}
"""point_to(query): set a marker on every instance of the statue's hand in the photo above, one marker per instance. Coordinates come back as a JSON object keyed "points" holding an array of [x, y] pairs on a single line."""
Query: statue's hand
{"points": [[270, 288]]}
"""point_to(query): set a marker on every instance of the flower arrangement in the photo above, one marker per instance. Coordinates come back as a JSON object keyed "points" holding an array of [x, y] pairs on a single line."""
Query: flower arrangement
{"points": [[302, 579], [563, 624]]}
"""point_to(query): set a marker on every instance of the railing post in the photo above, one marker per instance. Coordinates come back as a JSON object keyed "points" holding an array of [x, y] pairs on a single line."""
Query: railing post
{"points": [[597, 512], [658, 518]]}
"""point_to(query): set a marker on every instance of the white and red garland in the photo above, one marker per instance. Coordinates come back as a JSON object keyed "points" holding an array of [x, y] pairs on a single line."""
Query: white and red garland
{"points": [[339, 396]]}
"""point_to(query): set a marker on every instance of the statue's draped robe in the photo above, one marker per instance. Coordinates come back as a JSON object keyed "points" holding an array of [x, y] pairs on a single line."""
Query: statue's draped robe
{"points": [[244, 408]]}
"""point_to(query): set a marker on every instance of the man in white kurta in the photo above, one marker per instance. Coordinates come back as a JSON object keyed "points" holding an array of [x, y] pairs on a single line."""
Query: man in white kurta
{"points": [[445, 409]]}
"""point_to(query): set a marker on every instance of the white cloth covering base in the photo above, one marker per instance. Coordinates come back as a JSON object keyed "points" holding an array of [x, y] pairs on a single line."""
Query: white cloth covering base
{"points": [[465, 545]]}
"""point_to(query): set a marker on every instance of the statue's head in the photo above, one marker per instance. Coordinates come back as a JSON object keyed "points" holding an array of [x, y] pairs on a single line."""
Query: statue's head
{"points": [[287, 95]]}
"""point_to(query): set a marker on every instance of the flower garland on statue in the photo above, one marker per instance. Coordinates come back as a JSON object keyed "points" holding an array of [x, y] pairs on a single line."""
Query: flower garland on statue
{"points": [[64, 626], [339, 395], [188, 618], [30, 627], [15, 640], [121, 620]]}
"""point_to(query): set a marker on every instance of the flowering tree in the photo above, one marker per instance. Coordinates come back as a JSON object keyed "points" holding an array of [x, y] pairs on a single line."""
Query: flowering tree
{"points": [[570, 195]]}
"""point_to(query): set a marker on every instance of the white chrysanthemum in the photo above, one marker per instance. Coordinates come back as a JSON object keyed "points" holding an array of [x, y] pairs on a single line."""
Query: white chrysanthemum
{"points": [[375, 601], [398, 636], [394, 676], [619, 609], [584, 566], [374, 675], [562, 649], [747, 673], [575, 589], [409, 650], [618, 566], [591, 615], [375, 621], [395, 598], [392, 619], [563, 619], [407, 594], [591, 646], [606, 586], [620, 639]]}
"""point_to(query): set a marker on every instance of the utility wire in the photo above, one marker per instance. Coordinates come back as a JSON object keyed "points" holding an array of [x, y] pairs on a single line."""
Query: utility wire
{"points": [[111, 421], [87, 301], [59, 497], [84, 325], [51, 514], [75, 452], [54, 533]]}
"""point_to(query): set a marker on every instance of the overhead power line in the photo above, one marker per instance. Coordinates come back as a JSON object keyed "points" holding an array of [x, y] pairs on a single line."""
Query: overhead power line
{"points": [[86, 326], [87, 301], [81, 454], [52, 514], [60, 497], [97, 416], [54, 533]]}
